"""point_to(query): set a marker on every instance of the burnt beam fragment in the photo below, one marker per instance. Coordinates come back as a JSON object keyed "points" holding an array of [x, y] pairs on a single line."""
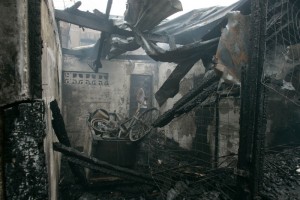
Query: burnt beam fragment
{"points": [[104, 36], [198, 100], [171, 86], [84, 19], [99, 23], [93, 163], [192, 99], [58, 124], [253, 112], [62, 136]]}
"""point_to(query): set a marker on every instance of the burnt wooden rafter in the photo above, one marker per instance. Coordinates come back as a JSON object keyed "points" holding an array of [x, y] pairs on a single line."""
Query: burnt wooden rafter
{"points": [[58, 125], [98, 23], [171, 86], [84, 19], [189, 101], [103, 37], [79, 158]]}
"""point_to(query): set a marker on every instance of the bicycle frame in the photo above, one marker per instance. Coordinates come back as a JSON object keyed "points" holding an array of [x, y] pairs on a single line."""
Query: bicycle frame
{"points": [[112, 127], [125, 129]]}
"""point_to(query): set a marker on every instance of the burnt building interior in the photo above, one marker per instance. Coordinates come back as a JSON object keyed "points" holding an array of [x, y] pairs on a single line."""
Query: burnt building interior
{"points": [[142, 106]]}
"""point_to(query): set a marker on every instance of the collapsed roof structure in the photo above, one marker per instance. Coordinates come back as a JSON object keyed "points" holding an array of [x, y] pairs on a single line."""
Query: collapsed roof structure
{"points": [[189, 38], [183, 40]]}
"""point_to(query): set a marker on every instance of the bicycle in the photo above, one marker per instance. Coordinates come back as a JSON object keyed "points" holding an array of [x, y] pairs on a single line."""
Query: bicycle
{"points": [[110, 126]]}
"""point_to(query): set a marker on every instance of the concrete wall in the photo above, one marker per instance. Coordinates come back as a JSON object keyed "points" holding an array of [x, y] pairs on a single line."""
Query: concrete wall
{"points": [[51, 83], [112, 95], [14, 68], [228, 130], [283, 121]]}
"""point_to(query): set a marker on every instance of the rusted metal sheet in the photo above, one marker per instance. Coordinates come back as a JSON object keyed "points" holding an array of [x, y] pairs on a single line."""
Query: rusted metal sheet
{"points": [[233, 48]]}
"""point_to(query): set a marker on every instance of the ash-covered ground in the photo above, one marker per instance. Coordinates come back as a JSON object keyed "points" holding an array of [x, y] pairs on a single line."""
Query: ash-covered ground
{"points": [[281, 180]]}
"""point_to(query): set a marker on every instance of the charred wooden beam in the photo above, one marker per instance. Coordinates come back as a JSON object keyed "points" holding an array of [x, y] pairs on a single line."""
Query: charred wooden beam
{"points": [[252, 114], [171, 86], [190, 100], [79, 53], [104, 36], [58, 124], [84, 19], [180, 54], [93, 163], [95, 22], [61, 133], [198, 99], [209, 78], [74, 7]]}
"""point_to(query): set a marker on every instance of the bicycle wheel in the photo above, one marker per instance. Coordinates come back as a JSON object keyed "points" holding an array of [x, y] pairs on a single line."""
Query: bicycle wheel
{"points": [[100, 126], [143, 126]]}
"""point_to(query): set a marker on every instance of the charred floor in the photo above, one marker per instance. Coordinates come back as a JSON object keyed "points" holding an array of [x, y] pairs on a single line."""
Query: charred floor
{"points": [[204, 105]]}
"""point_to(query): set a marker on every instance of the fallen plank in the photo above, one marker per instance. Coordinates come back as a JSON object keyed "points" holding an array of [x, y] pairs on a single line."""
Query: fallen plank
{"points": [[93, 163], [62, 136], [84, 19], [171, 86], [197, 95]]}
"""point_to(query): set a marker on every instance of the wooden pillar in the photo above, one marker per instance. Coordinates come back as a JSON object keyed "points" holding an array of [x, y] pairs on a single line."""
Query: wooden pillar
{"points": [[252, 116]]}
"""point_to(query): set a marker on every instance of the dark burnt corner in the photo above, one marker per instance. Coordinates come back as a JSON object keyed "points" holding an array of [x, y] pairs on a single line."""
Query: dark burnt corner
{"points": [[35, 48], [145, 105]]}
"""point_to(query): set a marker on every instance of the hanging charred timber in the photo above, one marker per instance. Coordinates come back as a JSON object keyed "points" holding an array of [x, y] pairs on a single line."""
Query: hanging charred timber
{"points": [[171, 86], [74, 156], [103, 37], [252, 115], [193, 53], [62, 136], [195, 97], [84, 19]]}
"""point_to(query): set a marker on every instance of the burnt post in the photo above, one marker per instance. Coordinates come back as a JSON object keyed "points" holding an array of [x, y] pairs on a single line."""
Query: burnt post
{"points": [[252, 117]]}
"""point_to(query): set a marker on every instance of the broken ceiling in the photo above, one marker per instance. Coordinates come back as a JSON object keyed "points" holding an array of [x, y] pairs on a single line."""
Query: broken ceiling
{"points": [[183, 40]]}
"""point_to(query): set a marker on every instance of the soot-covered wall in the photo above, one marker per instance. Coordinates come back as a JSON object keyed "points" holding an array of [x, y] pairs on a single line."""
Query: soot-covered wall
{"points": [[30, 68]]}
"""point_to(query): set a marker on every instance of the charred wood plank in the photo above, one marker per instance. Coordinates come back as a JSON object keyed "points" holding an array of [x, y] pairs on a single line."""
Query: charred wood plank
{"points": [[198, 100], [74, 7], [171, 86], [95, 22], [61, 134], [82, 19], [58, 124], [180, 54], [207, 80], [190, 100], [93, 163], [104, 36]]}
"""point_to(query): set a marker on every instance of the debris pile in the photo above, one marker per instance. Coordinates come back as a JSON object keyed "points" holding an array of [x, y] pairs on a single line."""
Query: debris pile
{"points": [[281, 175]]}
